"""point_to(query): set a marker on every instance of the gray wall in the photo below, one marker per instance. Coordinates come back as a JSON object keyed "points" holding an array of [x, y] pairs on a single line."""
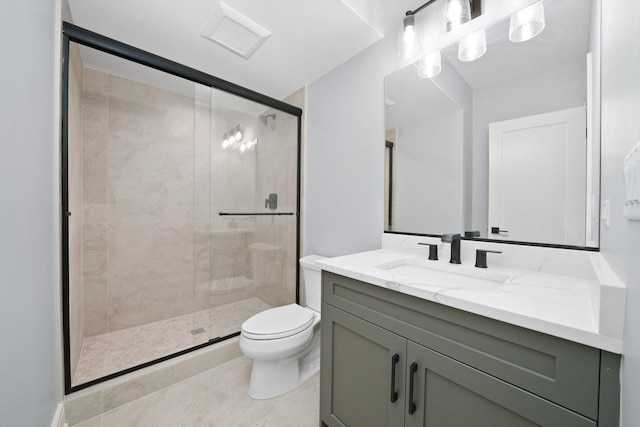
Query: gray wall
{"points": [[429, 174], [29, 285], [620, 243]]}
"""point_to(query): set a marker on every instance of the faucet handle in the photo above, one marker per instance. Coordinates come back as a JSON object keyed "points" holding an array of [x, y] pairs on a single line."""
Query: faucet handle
{"points": [[481, 257], [433, 250]]}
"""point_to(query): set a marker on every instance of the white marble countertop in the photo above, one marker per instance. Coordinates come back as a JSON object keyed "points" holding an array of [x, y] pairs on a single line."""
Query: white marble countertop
{"points": [[553, 304]]}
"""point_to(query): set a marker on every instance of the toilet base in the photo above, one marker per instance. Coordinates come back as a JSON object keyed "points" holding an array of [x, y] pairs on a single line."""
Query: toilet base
{"points": [[271, 378]]}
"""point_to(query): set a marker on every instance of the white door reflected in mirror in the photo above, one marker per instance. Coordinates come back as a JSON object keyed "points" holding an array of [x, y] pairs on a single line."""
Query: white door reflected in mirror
{"points": [[537, 170]]}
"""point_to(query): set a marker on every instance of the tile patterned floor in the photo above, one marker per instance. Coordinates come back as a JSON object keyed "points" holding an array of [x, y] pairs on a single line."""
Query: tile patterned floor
{"points": [[112, 352], [217, 397]]}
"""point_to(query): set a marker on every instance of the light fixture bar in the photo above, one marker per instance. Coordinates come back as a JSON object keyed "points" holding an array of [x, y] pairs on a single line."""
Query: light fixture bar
{"points": [[413, 12], [476, 8]]}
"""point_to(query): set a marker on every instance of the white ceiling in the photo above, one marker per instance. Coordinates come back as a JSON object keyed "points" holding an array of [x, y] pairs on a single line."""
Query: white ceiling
{"points": [[308, 37]]}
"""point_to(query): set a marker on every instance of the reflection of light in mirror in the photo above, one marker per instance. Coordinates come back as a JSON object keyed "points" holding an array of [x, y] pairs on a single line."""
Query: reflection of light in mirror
{"points": [[409, 45], [472, 46], [456, 14], [430, 66], [232, 139], [527, 23]]}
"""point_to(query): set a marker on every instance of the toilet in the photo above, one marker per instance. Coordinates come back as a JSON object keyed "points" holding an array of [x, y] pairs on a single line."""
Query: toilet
{"points": [[284, 342]]}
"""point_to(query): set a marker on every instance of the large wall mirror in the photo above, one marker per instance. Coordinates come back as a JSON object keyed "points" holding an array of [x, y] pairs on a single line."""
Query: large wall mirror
{"points": [[507, 144]]}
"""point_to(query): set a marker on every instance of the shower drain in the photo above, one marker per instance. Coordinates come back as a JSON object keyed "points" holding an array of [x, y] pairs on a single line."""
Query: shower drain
{"points": [[197, 331]]}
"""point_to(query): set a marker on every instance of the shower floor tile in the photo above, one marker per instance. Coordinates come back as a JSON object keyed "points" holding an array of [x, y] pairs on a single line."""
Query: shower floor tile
{"points": [[112, 352]]}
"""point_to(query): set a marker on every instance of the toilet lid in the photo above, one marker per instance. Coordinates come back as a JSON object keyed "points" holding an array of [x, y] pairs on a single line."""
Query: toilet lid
{"points": [[278, 322]]}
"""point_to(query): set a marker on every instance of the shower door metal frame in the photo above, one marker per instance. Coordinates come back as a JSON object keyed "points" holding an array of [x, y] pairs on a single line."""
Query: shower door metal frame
{"points": [[82, 36]]}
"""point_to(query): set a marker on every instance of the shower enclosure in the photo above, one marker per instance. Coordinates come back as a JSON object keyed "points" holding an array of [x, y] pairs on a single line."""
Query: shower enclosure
{"points": [[180, 207]]}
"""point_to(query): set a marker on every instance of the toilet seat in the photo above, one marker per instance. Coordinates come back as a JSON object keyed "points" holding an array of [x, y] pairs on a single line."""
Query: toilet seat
{"points": [[278, 322]]}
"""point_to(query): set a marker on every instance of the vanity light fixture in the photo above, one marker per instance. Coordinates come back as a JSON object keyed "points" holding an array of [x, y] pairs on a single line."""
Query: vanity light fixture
{"points": [[527, 23], [473, 46], [455, 14], [409, 38], [430, 66]]}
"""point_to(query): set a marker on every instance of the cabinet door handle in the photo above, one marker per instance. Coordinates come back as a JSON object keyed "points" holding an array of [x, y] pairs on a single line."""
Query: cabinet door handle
{"points": [[412, 373], [394, 361]]}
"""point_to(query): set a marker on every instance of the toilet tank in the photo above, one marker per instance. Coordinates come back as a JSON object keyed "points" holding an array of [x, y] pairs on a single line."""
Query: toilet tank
{"points": [[312, 281]]}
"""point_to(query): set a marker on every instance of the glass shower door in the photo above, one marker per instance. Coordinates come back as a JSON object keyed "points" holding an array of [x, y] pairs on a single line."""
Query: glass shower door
{"points": [[179, 207], [253, 212]]}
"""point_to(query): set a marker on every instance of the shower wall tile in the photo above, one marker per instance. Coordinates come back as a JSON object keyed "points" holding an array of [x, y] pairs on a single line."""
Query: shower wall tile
{"points": [[154, 240], [277, 172], [229, 249], [95, 115], [151, 262], [76, 312], [201, 208], [96, 300], [142, 298], [140, 225], [95, 270]]}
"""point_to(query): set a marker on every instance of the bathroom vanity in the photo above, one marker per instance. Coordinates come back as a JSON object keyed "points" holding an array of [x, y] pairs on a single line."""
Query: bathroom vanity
{"points": [[397, 352]]}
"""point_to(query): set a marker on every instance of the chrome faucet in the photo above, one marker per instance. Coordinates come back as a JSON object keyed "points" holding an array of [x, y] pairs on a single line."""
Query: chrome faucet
{"points": [[454, 239]]}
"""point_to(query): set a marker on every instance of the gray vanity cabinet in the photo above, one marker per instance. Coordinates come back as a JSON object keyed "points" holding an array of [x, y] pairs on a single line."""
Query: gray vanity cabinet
{"points": [[389, 359], [366, 369], [447, 393]]}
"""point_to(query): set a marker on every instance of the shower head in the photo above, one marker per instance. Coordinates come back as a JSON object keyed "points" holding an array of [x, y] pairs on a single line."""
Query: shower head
{"points": [[264, 118]]}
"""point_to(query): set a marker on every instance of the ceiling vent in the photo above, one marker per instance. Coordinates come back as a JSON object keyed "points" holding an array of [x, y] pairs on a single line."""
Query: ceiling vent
{"points": [[234, 31]]}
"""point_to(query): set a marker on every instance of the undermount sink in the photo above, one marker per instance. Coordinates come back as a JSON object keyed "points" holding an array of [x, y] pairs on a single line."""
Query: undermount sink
{"points": [[417, 272]]}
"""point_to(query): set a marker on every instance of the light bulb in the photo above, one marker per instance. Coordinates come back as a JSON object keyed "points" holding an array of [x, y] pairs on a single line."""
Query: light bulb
{"points": [[456, 14], [472, 46], [238, 134], [409, 39], [430, 66], [527, 23]]}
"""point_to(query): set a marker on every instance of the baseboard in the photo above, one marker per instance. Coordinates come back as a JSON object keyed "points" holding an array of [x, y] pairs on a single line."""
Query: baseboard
{"points": [[58, 417]]}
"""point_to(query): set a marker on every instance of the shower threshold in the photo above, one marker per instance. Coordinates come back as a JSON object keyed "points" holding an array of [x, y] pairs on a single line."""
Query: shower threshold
{"points": [[112, 352]]}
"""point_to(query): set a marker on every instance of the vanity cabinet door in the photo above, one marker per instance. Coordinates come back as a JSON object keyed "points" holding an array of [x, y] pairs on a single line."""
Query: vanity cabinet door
{"points": [[362, 372], [447, 393]]}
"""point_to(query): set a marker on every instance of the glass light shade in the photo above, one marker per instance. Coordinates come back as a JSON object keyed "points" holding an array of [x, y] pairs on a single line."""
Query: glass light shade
{"points": [[238, 134], [527, 23], [430, 66], [409, 39], [472, 46], [456, 13]]}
